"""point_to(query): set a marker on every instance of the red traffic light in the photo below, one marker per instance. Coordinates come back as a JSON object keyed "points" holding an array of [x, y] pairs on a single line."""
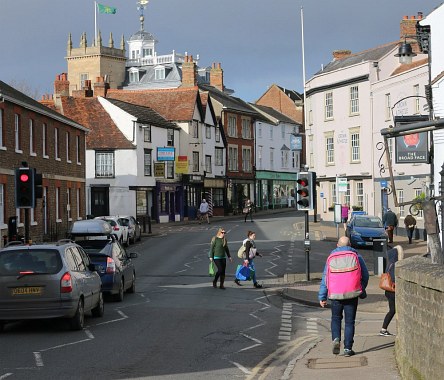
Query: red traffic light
{"points": [[24, 177], [302, 181]]}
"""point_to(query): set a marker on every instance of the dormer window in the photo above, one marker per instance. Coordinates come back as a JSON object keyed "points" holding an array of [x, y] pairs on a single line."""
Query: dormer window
{"points": [[159, 73], [134, 76]]}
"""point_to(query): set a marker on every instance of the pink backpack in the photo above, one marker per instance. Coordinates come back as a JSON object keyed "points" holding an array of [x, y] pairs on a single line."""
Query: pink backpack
{"points": [[343, 277]]}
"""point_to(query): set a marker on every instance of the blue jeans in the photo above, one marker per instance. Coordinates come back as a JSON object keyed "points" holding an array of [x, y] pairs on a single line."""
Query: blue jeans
{"points": [[251, 264], [338, 309]]}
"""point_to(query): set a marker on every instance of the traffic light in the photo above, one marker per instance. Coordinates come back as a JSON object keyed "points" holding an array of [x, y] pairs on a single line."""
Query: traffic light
{"points": [[24, 188], [306, 191], [38, 185]]}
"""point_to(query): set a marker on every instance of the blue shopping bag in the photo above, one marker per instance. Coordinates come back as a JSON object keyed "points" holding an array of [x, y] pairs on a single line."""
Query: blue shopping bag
{"points": [[244, 273]]}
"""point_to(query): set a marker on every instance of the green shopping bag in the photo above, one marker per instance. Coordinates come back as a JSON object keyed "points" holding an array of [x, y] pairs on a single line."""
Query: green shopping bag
{"points": [[212, 269]]}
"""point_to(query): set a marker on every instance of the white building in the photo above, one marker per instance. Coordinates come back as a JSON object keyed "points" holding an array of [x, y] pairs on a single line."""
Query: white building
{"points": [[277, 158], [348, 103]]}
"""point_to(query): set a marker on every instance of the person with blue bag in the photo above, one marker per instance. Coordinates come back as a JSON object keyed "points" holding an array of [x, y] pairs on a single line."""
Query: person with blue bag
{"points": [[218, 254], [248, 256]]}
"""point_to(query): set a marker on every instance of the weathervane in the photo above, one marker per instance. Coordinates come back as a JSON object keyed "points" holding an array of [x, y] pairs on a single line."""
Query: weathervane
{"points": [[141, 7]]}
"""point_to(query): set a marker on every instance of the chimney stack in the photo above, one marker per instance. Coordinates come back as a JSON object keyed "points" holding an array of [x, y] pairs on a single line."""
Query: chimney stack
{"points": [[100, 87], [85, 92], [189, 72], [217, 76], [61, 85], [341, 54], [408, 31]]}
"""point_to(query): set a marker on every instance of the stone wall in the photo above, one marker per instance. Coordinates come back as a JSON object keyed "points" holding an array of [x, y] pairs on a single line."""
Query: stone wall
{"points": [[420, 313]]}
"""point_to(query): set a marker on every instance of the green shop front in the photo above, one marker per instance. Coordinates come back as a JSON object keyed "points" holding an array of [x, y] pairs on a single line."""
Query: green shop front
{"points": [[274, 189]]}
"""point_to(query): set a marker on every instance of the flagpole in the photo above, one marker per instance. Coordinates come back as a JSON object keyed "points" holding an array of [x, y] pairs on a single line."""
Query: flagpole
{"points": [[303, 66], [95, 23]]}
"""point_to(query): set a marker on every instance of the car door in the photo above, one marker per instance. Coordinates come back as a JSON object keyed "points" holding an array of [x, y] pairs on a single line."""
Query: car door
{"points": [[125, 264], [87, 282], [93, 278]]}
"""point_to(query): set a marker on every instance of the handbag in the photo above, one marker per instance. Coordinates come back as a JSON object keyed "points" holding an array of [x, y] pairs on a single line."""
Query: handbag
{"points": [[385, 282], [212, 269], [246, 210]]}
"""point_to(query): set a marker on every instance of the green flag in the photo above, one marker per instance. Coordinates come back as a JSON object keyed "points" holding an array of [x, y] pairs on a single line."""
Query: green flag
{"points": [[106, 9]]}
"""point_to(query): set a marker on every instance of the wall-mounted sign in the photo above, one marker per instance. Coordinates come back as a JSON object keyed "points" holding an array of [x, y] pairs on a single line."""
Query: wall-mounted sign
{"points": [[182, 165], [165, 154], [341, 183], [295, 142], [413, 148], [159, 169]]}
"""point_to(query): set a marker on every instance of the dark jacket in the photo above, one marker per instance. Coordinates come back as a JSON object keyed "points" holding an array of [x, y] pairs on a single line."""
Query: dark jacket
{"points": [[409, 221], [390, 219], [392, 258]]}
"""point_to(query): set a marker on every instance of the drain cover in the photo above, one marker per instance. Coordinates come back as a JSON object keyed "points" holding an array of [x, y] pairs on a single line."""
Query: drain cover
{"points": [[337, 362]]}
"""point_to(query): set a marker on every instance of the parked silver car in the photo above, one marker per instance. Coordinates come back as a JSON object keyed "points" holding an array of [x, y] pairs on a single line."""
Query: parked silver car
{"points": [[119, 228], [134, 229], [42, 281]]}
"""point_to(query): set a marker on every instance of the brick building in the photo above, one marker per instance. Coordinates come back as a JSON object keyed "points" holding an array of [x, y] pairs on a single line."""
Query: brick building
{"points": [[54, 145]]}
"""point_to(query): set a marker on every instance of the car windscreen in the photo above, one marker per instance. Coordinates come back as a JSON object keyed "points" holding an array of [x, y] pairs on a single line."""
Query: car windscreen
{"points": [[102, 246], [368, 222], [45, 261]]}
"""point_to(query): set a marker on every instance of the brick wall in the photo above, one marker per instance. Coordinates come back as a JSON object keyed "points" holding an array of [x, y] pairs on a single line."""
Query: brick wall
{"points": [[419, 308], [63, 173]]}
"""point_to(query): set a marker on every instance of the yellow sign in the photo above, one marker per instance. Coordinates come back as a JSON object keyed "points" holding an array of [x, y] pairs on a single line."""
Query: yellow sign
{"points": [[182, 165], [159, 169]]}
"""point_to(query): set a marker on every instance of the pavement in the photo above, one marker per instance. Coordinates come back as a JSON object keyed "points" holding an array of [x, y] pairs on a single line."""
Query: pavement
{"points": [[374, 357]]}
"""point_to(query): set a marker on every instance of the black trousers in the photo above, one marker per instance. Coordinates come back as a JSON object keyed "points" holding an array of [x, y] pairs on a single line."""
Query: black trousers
{"points": [[221, 265], [391, 313]]}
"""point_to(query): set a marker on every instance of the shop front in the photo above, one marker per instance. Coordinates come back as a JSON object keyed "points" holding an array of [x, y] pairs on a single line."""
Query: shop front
{"points": [[193, 188], [215, 194], [275, 190], [169, 202]]}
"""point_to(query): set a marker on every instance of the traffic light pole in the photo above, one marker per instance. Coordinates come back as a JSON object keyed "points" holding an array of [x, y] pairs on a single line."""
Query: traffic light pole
{"points": [[26, 226], [307, 248]]}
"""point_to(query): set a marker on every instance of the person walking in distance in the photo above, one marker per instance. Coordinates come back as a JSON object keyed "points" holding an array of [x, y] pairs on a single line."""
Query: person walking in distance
{"points": [[410, 224], [218, 253], [345, 211], [248, 256], [344, 280], [390, 221], [248, 210], [203, 209], [393, 255]]}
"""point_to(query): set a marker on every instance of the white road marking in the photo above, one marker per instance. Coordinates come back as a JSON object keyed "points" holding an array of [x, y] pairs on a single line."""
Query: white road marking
{"points": [[241, 367], [5, 375], [65, 345], [89, 334], [38, 359]]}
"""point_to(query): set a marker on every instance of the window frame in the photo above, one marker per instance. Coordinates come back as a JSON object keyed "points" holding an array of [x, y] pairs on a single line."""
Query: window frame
{"points": [[148, 162], [102, 154], [328, 105], [354, 100]]}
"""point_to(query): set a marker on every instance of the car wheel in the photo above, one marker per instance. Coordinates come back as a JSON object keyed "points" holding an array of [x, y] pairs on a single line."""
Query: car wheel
{"points": [[133, 239], [100, 307], [121, 240], [119, 296], [140, 235], [132, 288], [127, 241], [78, 321]]}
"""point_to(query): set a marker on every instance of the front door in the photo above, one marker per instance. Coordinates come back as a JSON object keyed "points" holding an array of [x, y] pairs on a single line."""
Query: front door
{"points": [[99, 201]]}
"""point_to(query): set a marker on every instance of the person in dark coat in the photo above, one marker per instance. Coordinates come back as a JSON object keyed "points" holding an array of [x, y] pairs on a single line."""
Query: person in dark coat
{"points": [[390, 221], [410, 224], [393, 255]]}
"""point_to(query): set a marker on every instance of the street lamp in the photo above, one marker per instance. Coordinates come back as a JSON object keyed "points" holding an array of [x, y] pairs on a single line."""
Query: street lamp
{"points": [[405, 53]]}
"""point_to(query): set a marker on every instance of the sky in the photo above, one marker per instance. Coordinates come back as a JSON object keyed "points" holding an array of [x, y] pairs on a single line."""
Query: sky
{"points": [[257, 42]]}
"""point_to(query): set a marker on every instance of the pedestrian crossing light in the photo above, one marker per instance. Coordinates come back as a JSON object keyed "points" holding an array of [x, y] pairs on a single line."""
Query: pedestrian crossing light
{"points": [[306, 191], [24, 188]]}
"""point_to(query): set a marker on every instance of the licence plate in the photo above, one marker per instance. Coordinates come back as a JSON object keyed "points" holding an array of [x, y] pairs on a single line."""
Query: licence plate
{"points": [[368, 243], [34, 290]]}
